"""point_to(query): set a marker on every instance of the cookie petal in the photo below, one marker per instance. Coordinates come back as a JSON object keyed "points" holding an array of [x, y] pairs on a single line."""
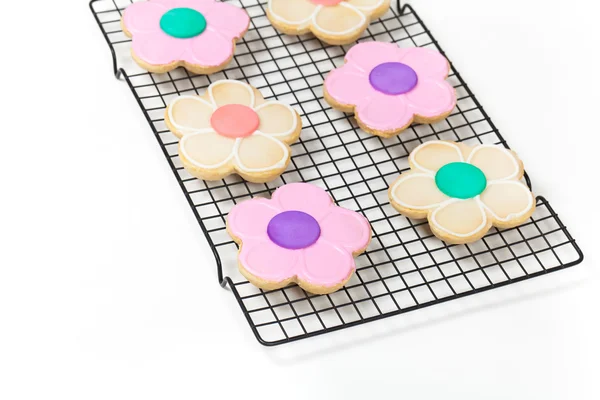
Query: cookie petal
{"points": [[297, 13], [340, 20], [304, 197], [207, 150], [202, 6], [427, 63], [267, 261], [431, 98], [277, 119], [325, 265], [261, 153], [496, 162], [190, 114], [431, 156], [348, 85], [158, 48], [231, 92], [229, 20], [508, 200], [384, 113], [417, 191], [346, 228], [366, 56], [366, 6], [143, 17], [460, 218], [251, 218], [210, 49]]}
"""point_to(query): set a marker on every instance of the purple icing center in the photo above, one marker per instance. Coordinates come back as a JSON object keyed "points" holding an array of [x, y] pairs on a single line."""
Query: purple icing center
{"points": [[393, 78], [293, 230]]}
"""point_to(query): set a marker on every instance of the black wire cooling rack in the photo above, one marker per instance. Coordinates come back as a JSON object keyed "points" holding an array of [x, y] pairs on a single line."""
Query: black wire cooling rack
{"points": [[405, 267]]}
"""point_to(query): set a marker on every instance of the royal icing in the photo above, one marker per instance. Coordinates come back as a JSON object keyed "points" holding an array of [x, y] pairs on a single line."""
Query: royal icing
{"points": [[388, 86], [463, 191], [196, 32], [231, 126], [298, 235], [325, 17]]}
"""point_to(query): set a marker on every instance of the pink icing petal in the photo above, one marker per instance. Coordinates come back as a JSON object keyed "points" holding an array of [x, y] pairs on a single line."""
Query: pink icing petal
{"points": [[303, 197], [346, 228], [348, 85], [202, 6], [210, 49], [159, 48], [229, 20], [384, 113], [325, 264], [431, 98], [427, 63], [265, 260], [366, 56], [250, 218], [144, 17]]}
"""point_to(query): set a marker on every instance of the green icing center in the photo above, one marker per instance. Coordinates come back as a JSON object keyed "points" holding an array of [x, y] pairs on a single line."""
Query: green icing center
{"points": [[183, 23], [460, 180]]}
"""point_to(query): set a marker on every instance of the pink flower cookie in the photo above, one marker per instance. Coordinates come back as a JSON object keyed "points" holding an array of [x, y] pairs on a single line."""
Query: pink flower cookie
{"points": [[199, 35], [463, 190], [332, 21], [389, 88], [298, 236], [231, 128]]}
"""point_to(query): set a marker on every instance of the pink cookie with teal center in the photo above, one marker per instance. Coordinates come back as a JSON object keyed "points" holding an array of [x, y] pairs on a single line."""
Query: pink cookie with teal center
{"points": [[199, 35], [389, 88], [299, 236]]}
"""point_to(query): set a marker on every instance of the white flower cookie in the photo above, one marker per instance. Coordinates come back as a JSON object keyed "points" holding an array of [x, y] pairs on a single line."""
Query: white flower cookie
{"points": [[336, 22], [463, 190], [230, 129]]}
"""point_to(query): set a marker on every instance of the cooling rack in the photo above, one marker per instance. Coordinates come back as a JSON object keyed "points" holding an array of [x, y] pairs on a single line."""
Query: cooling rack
{"points": [[405, 268]]}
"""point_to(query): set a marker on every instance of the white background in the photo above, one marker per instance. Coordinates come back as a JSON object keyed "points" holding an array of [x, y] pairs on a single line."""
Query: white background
{"points": [[108, 289]]}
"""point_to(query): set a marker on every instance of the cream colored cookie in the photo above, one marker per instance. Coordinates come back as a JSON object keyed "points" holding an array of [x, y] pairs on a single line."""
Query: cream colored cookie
{"points": [[389, 88], [298, 236], [230, 129], [463, 191], [335, 22], [199, 35]]}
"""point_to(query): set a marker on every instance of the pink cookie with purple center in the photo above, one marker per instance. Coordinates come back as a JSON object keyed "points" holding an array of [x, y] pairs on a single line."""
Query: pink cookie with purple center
{"points": [[389, 88], [199, 35], [299, 236]]}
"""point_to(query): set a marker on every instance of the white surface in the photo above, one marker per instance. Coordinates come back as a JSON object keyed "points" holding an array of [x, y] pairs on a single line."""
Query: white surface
{"points": [[108, 289]]}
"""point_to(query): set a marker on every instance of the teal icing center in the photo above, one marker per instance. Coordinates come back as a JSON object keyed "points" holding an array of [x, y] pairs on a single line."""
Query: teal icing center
{"points": [[460, 180], [183, 23]]}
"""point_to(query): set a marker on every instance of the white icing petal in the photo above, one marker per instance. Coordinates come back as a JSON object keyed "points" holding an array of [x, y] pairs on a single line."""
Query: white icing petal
{"points": [[292, 12], [207, 150], [366, 6], [507, 200], [261, 153], [190, 114], [231, 92], [339, 20], [417, 191], [496, 162], [277, 119], [460, 218], [431, 156]]}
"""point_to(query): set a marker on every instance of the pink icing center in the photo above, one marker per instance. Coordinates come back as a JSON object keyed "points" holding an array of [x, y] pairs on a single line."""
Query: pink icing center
{"points": [[235, 121], [327, 2]]}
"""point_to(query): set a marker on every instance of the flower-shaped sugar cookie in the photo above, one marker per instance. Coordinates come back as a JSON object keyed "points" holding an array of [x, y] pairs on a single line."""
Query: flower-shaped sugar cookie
{"points": [[232, 128], [389, 88], [332, 21], [298, 236], [199, 35], [463, 190]]}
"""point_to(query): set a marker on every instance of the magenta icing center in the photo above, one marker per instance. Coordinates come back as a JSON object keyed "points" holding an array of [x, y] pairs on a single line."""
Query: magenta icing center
{"points": [[393, 78], [293, 230]]}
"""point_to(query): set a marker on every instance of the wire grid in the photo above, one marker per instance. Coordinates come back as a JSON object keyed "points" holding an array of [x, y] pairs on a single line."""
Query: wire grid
{"points": [[405, 267]]}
